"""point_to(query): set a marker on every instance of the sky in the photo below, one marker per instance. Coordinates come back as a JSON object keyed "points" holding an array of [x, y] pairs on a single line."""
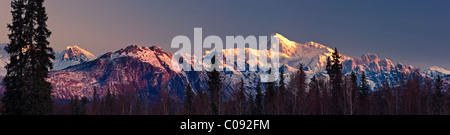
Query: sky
{"points": [[414, 32]]}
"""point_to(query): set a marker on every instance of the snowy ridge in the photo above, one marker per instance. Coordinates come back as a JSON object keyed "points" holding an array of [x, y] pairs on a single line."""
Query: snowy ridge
{"points": [[435, 71], [313, 55], [77, 53], [153, 55]]}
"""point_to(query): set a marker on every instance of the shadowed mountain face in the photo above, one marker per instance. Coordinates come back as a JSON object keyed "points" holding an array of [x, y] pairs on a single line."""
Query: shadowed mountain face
{"points": [[148, 70]]}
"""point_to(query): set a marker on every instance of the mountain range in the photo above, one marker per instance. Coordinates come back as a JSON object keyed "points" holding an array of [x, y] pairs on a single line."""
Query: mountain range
{"points": [[147, 70]]}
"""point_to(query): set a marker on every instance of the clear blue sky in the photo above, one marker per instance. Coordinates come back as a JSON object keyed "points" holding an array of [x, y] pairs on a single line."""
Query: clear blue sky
{"points": [[415, 32]]}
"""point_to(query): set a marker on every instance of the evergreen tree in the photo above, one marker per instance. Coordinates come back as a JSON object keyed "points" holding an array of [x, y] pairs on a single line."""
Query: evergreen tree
{"points": [[138, 107], [75, 105], [251, 102], [241, 97], [269, 97], [437, 97], [281, 84], [27, 91], [84, 102], [188, 98], [41, 54], [438, 85], [282, 100], [313, 96], [333, 68], [95, 102], [109, 103], [328, 66], [298, 84], [314, 84], [354, 93], [259, 99], [354, 80], [215, 88], [364, 89], [13, 101]]}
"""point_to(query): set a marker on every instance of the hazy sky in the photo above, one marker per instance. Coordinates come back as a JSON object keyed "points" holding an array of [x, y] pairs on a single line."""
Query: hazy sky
{"points": [[415, 32]]}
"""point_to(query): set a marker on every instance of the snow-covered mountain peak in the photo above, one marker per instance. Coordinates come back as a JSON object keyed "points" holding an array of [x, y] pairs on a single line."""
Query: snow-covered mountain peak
{"points": [[287, 47], [72, 55], [369, 57], [135, 51], [434, 71], [153, 55], [291, 48], [311, 54], [313, 44], [439, 69], [76, 53]]}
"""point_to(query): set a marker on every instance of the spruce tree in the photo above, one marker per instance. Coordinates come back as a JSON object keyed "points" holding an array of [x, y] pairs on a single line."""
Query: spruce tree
{"points": [[259, 99], [313, 97], [188, 97], [364, 96], [95, 103], [333, 68], [298, 84], [354, 92], [27, 91], [328, 66], [241, 90], [13, 101], [269, 97], [84, 102], [438, 85], [314, 85], [354, 80], [281, 84], [252, 105], [75, 105], [241, 97], [109, 102], [364, 89], [215, 88], [437, 97], [41, 54]]}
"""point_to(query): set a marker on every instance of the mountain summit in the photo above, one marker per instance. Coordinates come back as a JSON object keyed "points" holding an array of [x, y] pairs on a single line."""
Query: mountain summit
{"points": [[435, 71], [72, 55], [75, 53], [313, 55]]}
